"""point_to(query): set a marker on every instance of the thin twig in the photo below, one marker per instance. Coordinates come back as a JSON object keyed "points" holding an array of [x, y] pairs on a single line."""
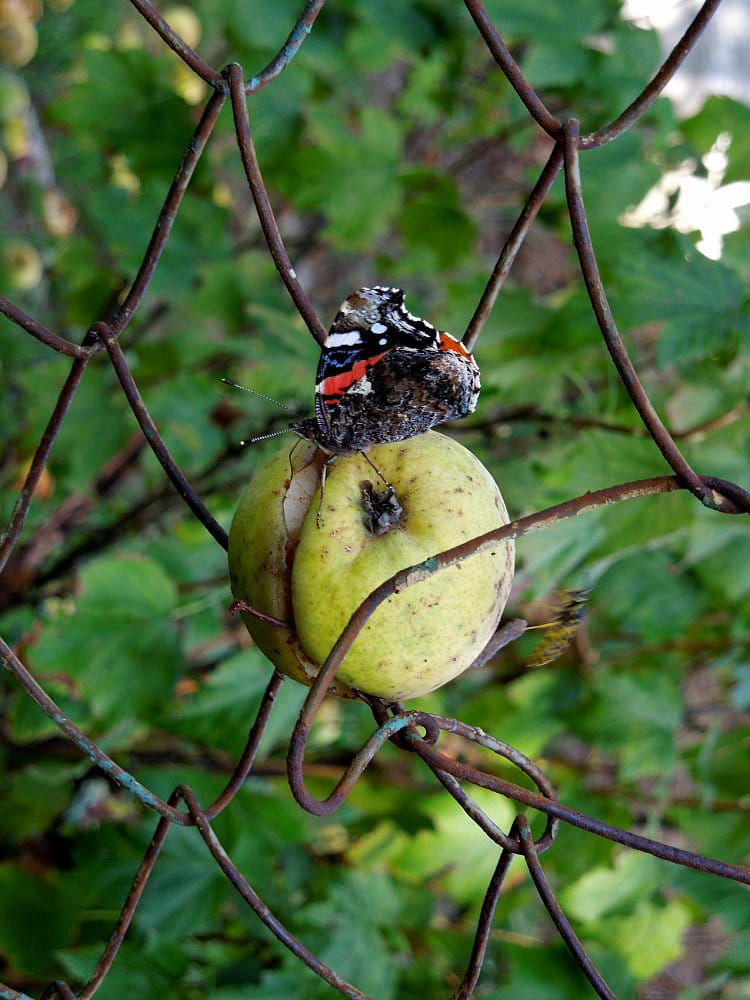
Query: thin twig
{"points": [[555, 911], [289, 49], [263, 206], [39, 461], [648, 95], [512, 245], [168, 213], [612, 338], [41, 333], [105, 763], [259, 907], [173, 471], [500, 53], [166, 32]]}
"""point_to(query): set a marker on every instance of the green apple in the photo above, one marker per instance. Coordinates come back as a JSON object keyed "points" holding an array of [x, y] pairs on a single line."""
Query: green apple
{"points": [[185, 22], [18, 42], [311, 562], [59, 214], [22, 265]]}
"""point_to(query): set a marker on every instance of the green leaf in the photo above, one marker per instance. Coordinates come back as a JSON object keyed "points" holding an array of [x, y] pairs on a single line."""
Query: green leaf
{"points": [[432, 217], [119, 646], [550, 65], [185, 889], [386, 32], [637, 718], [35, 920], [651, 937], [697, 300], [280, 985], [221, 711], [722, 115], [78, 464], [173, 406], [32, 799], [349, 931], [455, 847], [720, 555], [718, 767], [134, 80], [545, 20], [82, 287], [603, 891], [556, 55], [631, 159], [532, 709], [352, 172], [264, 30], [421, 98], [626, 55], [154, 970], [649, 597]]}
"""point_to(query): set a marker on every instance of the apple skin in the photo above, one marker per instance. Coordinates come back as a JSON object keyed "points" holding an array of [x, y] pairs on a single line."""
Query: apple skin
{"points": [[312, 564], [262, 541]]}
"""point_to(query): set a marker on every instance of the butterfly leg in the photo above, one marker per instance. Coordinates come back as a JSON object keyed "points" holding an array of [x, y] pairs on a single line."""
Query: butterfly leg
{"points": [[323, 473], [376, 469], [291, 458]]}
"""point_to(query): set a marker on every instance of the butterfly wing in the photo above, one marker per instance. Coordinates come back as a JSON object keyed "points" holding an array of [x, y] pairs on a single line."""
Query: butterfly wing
{"points": [[385, 374], [342, 370], [367, 326]]}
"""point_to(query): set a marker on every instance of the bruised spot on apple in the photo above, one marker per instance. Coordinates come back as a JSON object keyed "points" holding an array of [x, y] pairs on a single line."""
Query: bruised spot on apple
{"points": [[311, 564]]}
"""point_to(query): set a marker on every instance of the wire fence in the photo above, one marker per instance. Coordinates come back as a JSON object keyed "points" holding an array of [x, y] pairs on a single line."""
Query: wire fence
{"points": [[413, 732]]}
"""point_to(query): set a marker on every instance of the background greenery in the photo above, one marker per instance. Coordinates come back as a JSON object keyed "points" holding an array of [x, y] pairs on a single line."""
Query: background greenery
{"points": [[395, 152]]}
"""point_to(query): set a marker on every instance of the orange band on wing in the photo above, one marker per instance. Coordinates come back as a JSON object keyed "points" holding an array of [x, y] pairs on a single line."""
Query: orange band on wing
{"points": [[448, 343], [336, 385]]}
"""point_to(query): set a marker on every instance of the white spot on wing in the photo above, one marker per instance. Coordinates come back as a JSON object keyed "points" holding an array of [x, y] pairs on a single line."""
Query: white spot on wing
{"points": [[378, 328], [362, 387], [347, 338]]}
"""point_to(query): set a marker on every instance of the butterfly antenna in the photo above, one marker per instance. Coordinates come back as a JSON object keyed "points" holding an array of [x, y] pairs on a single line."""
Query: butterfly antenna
{"points": [[265, 437], [262, 395]]}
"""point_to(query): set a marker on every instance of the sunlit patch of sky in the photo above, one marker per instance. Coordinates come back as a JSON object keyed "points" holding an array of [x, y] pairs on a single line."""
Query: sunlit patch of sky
{"points": [[694, 198]]}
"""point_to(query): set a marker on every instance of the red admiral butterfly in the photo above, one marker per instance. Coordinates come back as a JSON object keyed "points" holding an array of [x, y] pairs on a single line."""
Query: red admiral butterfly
{"points": [[385, 375]]}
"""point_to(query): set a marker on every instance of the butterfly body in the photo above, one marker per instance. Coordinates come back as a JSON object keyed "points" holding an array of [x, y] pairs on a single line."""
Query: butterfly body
{"points": [[386, 375]]}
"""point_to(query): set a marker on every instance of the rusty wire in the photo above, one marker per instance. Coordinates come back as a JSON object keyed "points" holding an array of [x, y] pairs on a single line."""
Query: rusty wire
{"points": [[413, 732]]}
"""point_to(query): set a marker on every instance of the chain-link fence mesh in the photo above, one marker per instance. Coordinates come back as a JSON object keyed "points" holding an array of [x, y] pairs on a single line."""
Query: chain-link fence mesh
{"points": [[412, 732]]}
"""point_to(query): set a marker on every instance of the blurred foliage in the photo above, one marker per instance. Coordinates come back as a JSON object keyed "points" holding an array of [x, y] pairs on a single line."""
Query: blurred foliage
{"points": [[394, 152]]}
